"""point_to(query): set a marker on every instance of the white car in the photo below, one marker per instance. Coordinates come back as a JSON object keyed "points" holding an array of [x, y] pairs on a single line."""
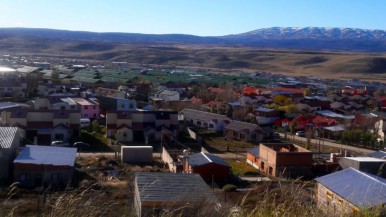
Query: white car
{"points": [[59, 144]]}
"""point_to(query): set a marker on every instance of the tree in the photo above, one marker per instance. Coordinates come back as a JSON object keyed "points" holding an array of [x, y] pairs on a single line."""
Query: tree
{"points": [[55, 76], [95, 126]]}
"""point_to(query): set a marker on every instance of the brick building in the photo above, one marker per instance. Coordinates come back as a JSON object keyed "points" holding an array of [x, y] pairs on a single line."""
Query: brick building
{"points": [[284, 160]]}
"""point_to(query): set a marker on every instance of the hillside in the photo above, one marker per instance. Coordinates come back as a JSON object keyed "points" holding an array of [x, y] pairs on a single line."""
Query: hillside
{"points": [[203, 52]]}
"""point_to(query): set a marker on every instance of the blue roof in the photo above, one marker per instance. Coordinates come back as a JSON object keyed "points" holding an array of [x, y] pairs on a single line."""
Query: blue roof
{"points": [[255, 151], [200, 159], [262, 109], [359, 188], [47, 155], [378, 154]]}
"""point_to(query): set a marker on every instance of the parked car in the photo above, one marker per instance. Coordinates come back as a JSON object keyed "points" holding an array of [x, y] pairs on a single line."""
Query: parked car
{"points": [[59, 144], [300, 133], [81, 145]]}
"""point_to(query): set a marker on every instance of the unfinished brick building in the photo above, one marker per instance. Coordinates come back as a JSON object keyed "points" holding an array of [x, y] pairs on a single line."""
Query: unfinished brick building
{"points": [[284, 160]]}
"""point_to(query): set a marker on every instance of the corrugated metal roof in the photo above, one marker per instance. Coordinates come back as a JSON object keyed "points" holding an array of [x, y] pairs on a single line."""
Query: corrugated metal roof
{"points": [[7, 135], [378, 154], [201, 158], [255, 151], [239, 126], [172, 187], [201, 115], [47, 155], [361, 189]]}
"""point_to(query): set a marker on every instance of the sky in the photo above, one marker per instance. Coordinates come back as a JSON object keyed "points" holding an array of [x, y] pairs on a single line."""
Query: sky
{"points": [[195, 17]]}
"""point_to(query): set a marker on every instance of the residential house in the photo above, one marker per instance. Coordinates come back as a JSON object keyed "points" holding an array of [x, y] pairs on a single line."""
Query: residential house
{"points": [[89, 108], [101, 91], [207, 120], [165, 95], [284, 160], [253, 156], [244, 131], [44, 126], [45, 165], [12, 88], [369, 165], [155, 192], [209, 166], [141, 126], [116, 104], [9, 144], [266, 115], [346, 192]]}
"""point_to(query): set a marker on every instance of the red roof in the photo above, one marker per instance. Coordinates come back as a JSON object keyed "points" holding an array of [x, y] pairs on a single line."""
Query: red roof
{"points": [[215, 89], [289, 89], [323, 121], [195, 100], [214, 103]]}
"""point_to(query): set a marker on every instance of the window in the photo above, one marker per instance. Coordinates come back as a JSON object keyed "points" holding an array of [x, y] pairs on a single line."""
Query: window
{"points": [[262, 165], [24, 177], [85, 107], [94, 115], [235, 134], [205, 124], [55, 178], [355, 211], [199, 123], [63, 107], [191, 121], [94, 107], [72, 107], [340, 201], [242, 136], [211, 125], [59, 137], [329, 195], [122, 106], [124, 134], [253, 136], [270, 171]]}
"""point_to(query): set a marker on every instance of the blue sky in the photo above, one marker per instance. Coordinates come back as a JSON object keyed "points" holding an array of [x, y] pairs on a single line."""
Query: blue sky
{"points": [[197, 17]]}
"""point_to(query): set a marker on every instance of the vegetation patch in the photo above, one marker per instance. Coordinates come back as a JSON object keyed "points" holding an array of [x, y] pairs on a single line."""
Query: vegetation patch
{"points": [[242, 168]]}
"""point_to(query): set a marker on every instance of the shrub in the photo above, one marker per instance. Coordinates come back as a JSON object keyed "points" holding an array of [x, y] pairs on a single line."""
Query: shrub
{"points": [[229, 188]]}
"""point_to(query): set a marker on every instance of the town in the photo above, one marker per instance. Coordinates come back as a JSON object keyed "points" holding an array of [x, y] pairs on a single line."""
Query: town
{"points": [[152, 139]]}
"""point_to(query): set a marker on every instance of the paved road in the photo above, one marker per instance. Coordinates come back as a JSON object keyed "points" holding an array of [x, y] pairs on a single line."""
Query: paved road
{"points": [[361, 151]]}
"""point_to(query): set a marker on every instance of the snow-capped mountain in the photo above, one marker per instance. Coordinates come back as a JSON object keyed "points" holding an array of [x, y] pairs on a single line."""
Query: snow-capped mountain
{"points": [[312, 33]]}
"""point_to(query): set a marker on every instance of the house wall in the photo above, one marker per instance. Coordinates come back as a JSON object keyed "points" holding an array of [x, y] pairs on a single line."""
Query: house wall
{"points": [[126, 105], [333, 204], [219, 172], [139, 154], [253, 160], [284, 164], [90, 111], [7, 155], [40, 116], [45, 172], [124, 135]]}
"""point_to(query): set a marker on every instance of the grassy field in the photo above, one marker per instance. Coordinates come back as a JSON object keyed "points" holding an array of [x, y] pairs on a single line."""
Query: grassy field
{"points": [[325, 64]]}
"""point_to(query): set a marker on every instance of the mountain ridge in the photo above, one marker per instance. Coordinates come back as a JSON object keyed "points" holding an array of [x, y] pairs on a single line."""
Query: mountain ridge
{"points": [[303, 38]]}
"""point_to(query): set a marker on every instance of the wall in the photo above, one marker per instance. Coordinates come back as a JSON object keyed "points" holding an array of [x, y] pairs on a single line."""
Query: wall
{"points": [[137, 154], [45, 171], [331, 203], [253, 160], [218, 172]]}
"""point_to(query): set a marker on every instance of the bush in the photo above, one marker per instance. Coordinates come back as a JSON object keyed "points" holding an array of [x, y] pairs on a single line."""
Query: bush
{"points": [[229, 188]]}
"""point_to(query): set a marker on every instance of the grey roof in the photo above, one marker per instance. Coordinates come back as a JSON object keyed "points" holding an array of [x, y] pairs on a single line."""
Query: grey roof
{"points": [[335, 128], [378, 154], [361, 189], [47, 155], [332, 114], [27, 69], [201, 115], [262, 109], [201, 158], [255, 151], [242, 126], [172, 187], [7, 135], [6, 105]]}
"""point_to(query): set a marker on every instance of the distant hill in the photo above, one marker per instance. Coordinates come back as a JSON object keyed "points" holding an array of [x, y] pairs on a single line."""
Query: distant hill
{"points": [[324, 52], [309, 38]]}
